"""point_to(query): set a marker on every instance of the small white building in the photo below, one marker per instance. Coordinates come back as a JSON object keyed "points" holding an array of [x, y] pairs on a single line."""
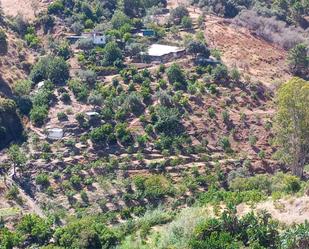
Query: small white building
{"points": [[160, 52], [91, 115], [98, 39], [55, 133], [40, 85]]}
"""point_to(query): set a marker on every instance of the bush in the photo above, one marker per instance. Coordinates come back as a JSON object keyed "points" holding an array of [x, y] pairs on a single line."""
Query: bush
{"points": [[220, 74], [299, 61], [178, 14], [38, 115], [133, 103], [176, 76], [102, 134], [56, 7], [85, 233], [168, 121], [186, 22], [79, 89], [62, 116], [35, 229], [225, 144], [42, 179], [229, 231], [112, 54], [270, 29], [153, 187], [22, 87]]}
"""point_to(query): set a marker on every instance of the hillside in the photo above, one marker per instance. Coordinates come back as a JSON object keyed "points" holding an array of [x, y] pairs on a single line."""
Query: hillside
{"points": [[27, 8], [109, 142]]}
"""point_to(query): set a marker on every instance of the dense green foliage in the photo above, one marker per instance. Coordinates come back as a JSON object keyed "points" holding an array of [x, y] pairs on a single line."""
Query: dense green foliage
{"points": [[54, 69], [292, 122], [3, 43]]}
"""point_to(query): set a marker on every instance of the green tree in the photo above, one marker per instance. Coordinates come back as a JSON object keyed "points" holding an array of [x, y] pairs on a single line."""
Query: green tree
{"points": [[112, 54], [39, 114], [299, 61], [22, 87], [292, 124], [3, 43], [8, 239], [53, 68], [176, 75], [178, 13], [35, 229], [17, 157], [119, 19], [85, 233], [220, 74], [186, 22], [198, 48]]}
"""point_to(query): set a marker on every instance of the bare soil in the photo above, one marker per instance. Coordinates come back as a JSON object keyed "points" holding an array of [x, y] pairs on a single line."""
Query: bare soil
{"points": [[28, 8], [255, 57], [288, 211]]}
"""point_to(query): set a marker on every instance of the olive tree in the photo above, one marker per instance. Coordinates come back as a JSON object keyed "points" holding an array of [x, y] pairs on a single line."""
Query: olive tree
{"points": [[17, 157], [3, 43], [292, 124], [299, 61]]}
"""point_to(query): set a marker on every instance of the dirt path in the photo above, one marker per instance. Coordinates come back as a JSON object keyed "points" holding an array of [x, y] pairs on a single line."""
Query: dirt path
{"points": [[31, 205]]}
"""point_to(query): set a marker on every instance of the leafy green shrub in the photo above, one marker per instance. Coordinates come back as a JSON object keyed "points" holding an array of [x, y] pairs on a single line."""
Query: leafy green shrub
{"points": [[65, 98], [38, 115], [178, 14], [123, 134], [295, 237], [112, 54], [229, 231], [56, 7], [225, 144], [22, 87], [153, 187], [62, 116], [176, 76], [42, 179], [79, 89], [103, 134], [85, 233], [35, 229], [75, 181], [168, 121], [211, 112], [186, 22], [13, 193], [220, 74], [31, 38], [225, 116]]}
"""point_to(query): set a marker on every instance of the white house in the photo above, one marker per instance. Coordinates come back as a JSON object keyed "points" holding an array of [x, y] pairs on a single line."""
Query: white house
{"points": [[98, 39], [55, 133]]}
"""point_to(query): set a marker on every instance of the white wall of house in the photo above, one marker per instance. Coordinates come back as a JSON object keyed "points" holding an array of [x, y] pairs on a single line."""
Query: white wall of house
{"points": [[98, 39]]}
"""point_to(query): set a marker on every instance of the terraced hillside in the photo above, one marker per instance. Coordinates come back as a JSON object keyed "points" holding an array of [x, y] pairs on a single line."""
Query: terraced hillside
{"points": [[106, 145]]}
